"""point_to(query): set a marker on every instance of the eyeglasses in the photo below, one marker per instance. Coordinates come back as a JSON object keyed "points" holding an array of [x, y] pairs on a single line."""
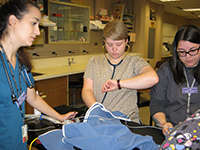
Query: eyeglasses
{"points": [[192, 52]]}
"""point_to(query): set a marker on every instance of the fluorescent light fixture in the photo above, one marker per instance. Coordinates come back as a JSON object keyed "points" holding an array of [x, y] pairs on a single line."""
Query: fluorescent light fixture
{"points": [[191, 9], [168, 0]]}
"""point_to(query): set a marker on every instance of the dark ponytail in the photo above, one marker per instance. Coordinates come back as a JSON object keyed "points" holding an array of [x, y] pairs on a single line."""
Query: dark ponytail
{"points": [[18, 8]]}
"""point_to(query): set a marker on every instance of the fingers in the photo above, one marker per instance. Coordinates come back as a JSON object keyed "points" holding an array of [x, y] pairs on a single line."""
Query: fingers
{"points": [[72, 114], [166, 131], [105, 87], [109, 85], [166, 128], [69, 115]]}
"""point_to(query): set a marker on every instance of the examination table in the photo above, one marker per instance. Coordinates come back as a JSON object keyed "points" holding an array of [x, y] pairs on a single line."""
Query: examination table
{"points": [[37, 127]]}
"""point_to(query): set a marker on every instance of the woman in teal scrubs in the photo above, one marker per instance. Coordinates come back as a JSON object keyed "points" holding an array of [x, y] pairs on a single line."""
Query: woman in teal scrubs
{"points": [[19, 26]]}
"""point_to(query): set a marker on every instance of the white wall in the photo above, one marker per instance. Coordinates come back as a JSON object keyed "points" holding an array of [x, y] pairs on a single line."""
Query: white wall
{"points": [[169, 31]]}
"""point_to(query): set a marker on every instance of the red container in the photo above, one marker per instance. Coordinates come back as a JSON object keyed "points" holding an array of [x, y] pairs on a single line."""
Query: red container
{"points": [[57, 15]]}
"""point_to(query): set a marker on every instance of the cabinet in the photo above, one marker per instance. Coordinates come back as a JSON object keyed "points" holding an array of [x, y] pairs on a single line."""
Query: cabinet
{"points": [[72, 23], [53, 91], [128, 20], [72, 78]]}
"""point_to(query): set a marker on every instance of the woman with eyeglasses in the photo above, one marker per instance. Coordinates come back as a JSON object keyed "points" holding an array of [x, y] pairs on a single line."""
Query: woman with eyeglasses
{"points": [[177, 95]]}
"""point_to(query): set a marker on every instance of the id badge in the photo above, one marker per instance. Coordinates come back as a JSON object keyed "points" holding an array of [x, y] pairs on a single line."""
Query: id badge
{"points": [[24, 133], [21, 98], [186, 90]]}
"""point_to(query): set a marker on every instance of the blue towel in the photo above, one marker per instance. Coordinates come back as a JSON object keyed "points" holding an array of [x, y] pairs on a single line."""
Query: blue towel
{"points": [[100, 130]]}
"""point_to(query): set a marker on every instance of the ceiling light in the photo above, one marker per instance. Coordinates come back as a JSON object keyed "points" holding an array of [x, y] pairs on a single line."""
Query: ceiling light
{"points": [[168, 0], [192, 9]]}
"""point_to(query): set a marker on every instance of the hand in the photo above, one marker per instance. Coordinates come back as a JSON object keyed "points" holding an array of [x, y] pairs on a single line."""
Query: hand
{"points": [[165, 127], [109, 85], [68, 115]]}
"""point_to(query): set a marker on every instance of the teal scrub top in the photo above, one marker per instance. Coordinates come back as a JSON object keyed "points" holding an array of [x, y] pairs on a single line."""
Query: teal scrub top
{"points": [[11, 121]]}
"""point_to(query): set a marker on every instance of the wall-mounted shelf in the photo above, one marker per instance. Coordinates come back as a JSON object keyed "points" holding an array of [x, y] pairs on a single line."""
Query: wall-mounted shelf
{"points": [[128, 19], [72, 23]]}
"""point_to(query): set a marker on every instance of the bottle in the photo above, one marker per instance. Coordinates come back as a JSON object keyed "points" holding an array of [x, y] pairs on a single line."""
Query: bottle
{"points": [[81, 27]]}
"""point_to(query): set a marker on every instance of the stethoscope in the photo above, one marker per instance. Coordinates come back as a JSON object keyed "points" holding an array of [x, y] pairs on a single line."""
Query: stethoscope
{"points": [[114, 66], [26, 77], [28, 83]]}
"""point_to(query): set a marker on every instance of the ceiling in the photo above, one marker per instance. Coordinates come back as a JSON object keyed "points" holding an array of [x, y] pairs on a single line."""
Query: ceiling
{"points": [[175, 8]]}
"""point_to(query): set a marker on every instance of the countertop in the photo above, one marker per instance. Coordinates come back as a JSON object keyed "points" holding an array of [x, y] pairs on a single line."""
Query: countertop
{"points": [[59, 71], [58, 67], [169, 55]]}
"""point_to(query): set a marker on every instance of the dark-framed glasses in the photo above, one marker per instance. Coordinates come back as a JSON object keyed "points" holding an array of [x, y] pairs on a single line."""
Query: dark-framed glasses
{"points": [[192, 52]]}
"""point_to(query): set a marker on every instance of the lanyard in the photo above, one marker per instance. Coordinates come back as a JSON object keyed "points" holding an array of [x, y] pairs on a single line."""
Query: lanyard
{"points": [[114, 67], [189, 94], [13, 96]]}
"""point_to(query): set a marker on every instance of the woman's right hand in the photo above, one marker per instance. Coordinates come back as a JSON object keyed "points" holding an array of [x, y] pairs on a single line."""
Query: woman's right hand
{"points": [[165, 128], [109, 85]]}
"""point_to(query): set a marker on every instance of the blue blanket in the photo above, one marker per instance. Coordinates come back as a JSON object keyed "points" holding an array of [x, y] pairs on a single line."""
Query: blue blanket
{"points": [[100, 130]]}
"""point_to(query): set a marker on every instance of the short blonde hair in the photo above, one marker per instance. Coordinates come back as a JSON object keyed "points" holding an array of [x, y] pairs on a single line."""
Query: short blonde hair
{"points": [[115, 30]]}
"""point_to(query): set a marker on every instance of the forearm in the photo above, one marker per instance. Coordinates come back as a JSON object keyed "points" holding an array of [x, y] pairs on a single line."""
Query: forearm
{"points": [[159, 118], [43, 107], [88, 97], [37, 102], [157, 110], [142, 81]]}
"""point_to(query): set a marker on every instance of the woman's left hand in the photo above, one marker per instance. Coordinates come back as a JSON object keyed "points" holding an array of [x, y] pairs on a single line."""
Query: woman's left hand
{"points": [[109, 85], [68, 115]]}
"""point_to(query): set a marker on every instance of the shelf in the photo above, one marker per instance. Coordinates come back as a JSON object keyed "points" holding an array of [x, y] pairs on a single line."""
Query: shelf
{"points": [[130, 30], [127, 22], [69, 18], [128, 19], [72, 22], [126, 14]]}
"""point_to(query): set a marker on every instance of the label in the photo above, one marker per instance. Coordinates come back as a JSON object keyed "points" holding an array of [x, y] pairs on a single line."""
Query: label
{"points": [[186, 90], [24, 133], [21, 98]]}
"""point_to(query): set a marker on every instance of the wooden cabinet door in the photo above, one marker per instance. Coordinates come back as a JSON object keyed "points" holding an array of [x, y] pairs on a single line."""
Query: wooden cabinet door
{"points": [[57, 97], [53, 91]]}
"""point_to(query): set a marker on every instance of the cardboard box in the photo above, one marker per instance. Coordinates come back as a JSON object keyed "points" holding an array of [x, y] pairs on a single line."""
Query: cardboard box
{"points": [[132, 37]]}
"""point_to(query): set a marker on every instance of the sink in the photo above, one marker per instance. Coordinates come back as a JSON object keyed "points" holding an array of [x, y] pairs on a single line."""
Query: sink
{"points": [[37, 74]]}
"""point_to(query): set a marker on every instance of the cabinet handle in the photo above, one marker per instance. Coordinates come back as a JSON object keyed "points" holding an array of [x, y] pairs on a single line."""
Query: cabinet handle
{"points": [[43, 96]]}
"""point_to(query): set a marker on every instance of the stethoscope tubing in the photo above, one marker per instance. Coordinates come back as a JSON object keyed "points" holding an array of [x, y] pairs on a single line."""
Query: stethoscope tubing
{"points": [[114, 67]]}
